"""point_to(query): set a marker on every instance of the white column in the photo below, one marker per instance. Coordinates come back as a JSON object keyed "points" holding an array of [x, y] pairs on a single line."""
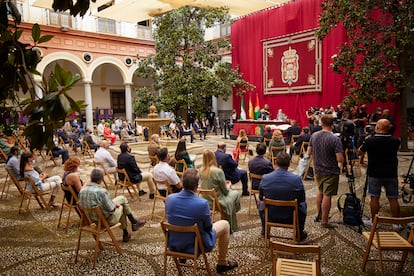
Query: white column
{"points": [[214, 104], [128, 102], [88, 103]]}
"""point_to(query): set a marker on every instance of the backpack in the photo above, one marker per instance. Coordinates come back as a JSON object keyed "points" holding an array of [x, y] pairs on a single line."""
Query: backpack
{"points": [[351, 210]]}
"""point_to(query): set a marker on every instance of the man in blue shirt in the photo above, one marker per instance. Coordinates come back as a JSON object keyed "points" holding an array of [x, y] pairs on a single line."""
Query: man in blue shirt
{"points": [[185, 209], [283, 185]]}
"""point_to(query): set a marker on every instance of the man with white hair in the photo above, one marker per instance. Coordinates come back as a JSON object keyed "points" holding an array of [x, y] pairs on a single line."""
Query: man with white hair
{"points": [[104, 156]]}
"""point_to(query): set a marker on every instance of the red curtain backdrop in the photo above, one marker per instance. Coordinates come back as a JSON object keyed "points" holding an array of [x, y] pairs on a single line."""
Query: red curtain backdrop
{"points": [[247, 36]]}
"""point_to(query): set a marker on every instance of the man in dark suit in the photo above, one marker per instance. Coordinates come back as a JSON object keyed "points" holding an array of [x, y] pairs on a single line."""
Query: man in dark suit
{"points": [[127, 161], [294, 129], [88, 138], [229, 166], [304, 137], [185, 209], [259, 165], [184, 131], [283, 185]]}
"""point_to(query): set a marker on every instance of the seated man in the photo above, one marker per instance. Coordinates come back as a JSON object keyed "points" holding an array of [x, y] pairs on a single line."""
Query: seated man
{"points": [[229, 166], [88, 138], [283, 185], [164, 172], [13, 161], [294, 129], [57, 151], [267, 135], [184, 131], [154, 147], [186, 209], [115, 210], [62, 133], [304, 137], [127, 161], [104, 156], [259, 165], [75, 138]]}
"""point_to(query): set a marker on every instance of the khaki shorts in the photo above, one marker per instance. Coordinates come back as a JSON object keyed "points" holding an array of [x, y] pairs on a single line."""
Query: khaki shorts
{"points": [[328, 184]]}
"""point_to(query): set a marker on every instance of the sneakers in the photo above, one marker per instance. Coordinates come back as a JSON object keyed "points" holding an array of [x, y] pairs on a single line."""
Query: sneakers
{"points": [[138, 224], [125, 238], [142, 192], [317, 218], [367, 222], [223, 268]]}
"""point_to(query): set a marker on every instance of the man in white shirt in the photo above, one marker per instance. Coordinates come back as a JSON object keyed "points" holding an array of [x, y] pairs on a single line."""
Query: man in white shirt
{"points": [[164, 172], [104, 156]]}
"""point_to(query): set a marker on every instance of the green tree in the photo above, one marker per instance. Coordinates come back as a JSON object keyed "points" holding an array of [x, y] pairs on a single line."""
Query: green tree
{"points": [[18, 63], [378, 57], [187, 69], [143, 101]]}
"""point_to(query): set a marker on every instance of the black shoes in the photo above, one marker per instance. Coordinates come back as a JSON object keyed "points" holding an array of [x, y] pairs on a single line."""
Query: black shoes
{"points": [[138, 224], [142, 192], [245, 194], [151, 196], [125, 238], [223, 268], [303, 236]]}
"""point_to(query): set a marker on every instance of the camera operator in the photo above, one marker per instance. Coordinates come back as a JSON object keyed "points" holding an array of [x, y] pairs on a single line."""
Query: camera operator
{"points": [[347, 130]]}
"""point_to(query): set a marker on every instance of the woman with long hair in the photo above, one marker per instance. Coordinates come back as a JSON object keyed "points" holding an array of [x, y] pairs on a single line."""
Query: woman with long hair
{"points": [[71, 177], [42, 181], [181, 153], [242, 138], [277, 141], [212, 177]]}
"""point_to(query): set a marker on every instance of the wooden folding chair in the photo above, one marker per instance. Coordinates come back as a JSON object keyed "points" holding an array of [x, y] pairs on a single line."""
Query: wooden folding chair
{"points": [[95, 223], [154, 160], [33, 190], [215, 207], [61, 143], [283, 266], [242, 149], [47, 156], [273, 151], [310, 163], [3, 155], [253, 192], [86, 150], [126, 184], [158, 196], [302, 152], [388, 241], [72, 204], [17, 183], [106, 174], [7, 183], [168, 229], [180, 167], [293, 139], [290, 206]]}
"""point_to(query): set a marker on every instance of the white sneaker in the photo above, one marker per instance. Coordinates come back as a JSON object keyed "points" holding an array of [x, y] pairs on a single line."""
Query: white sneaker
{"points": [[367, 222], [397, 227]]}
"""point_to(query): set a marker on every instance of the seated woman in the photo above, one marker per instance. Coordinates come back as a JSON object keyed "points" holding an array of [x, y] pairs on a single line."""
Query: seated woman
{"points": [[277, 141], [181, 153], [242, 138], [211, 177], [71, 177], [42, 181], [108, 134]]}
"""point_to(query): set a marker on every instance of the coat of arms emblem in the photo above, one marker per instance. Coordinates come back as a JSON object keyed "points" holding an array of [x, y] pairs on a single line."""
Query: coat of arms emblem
{"points": [[290, 66]]}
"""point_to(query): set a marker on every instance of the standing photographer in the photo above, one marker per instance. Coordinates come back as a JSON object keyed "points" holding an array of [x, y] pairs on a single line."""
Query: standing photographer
{"points": [[382, 169]]}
